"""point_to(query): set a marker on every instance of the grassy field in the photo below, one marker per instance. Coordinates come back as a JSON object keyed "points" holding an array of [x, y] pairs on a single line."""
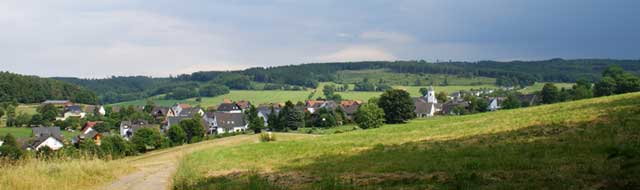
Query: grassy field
{"points": [[559, 146], [538, 87], [29, 109], [406, 79]]}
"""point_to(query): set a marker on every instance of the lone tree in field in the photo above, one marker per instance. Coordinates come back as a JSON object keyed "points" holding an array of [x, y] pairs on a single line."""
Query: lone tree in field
{"points": [[177, 135], [369, 116], [550, 93], [397, 105], [255, 123]]}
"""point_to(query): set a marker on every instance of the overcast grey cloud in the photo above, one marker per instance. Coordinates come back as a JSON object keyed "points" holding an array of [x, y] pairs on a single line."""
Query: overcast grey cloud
{"points": [[160, 38]]}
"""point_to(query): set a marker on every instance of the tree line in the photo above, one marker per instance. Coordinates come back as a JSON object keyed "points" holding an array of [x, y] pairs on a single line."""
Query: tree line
{"points": [[32, 89], [513, 73]]}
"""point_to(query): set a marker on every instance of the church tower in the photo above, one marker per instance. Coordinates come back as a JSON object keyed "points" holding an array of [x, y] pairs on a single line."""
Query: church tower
{"points": [[431, 96]]}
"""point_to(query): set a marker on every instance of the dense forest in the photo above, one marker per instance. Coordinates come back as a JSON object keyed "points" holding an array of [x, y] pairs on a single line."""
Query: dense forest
{"points": [[32, 89], [513, 73]]}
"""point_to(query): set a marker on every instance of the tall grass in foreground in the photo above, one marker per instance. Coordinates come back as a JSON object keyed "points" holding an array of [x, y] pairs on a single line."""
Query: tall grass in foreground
{"points": [[58, 173], [587, 144]]}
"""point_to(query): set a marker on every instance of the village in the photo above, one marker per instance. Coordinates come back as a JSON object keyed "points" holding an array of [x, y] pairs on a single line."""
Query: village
{"points": [[232, 117]]}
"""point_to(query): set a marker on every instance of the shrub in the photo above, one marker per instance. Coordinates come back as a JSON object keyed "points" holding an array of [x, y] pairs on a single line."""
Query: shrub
{"points": [[266, 137]]}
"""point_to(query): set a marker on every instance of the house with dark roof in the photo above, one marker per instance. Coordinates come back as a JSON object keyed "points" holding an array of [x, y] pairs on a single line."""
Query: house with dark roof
{"points": [[449, 108], [229, 108], [161, 113], [46, 136], [226, 122], [72, 111]]}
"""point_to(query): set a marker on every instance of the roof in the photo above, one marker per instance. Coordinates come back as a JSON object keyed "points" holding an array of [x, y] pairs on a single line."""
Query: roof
{"points": [[447, 108], [190, 112], [159, 111], [184, 106], [350, 107], [89, 124], [244, 104], [176, 120], [39, 140], [422, 106], [74, 108], [229, 120], [90, 108], [56, 102], [228, 107], [47, 131], [313, 103]]}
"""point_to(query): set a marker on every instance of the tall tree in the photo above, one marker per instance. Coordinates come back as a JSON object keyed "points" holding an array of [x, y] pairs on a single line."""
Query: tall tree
{"points": [[441, 97], [397, 105], [550, 93], [255, 122], [273, 123], [48, 112]]}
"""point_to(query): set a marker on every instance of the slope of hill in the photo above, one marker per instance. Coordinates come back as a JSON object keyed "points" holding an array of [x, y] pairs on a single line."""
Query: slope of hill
{"points": [[573, 145], [33, 89]]}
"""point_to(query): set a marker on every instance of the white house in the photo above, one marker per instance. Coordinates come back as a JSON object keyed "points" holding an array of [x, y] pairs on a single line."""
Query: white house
{"points": [[46, 136], [225, 122], [51, 142], [72, 111], [494, 104]]}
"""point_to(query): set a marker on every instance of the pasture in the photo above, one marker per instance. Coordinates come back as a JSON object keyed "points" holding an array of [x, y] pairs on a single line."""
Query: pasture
{"points": [[561, 146]]}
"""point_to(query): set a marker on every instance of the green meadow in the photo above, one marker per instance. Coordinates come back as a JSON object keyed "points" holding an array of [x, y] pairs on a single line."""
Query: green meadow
{"points": [[571, 145], [538, 87]]}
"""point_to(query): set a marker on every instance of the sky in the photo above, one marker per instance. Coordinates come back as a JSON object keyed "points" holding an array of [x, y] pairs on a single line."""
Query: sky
{"points": [[102, 38]]}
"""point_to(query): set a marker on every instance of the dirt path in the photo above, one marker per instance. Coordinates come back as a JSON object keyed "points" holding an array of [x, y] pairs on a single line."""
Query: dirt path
{"points": [[155, 170]]}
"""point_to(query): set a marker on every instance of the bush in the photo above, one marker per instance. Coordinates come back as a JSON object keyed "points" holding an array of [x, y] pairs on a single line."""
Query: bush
{"points": [[147, 139], [177, 135], [266, 137], [369, 116]]}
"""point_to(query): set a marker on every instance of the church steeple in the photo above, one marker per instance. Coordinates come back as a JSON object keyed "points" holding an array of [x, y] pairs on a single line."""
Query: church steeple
{"points": [[431, 95]]}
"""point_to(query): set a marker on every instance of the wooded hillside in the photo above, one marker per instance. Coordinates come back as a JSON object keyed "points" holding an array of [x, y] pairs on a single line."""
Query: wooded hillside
{"points": [[33, 89]]}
